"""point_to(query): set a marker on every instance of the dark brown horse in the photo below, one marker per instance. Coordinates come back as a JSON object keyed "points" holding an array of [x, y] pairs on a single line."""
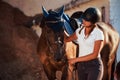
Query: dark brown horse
{"points": [[109, 49], [51, 48]]}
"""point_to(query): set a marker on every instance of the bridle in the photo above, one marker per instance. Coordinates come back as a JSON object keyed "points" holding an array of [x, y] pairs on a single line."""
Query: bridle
{"points": [[56, 42], [55, 21], [58, 38]]}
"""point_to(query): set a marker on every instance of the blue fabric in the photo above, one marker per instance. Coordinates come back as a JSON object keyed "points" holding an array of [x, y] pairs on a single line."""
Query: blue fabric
{"points": [[56, 27], [67, 26], [55, 16], [54, 21]]}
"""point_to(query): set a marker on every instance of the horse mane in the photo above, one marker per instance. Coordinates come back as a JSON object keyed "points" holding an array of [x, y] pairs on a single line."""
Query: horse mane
{"points": [[42, 22]]}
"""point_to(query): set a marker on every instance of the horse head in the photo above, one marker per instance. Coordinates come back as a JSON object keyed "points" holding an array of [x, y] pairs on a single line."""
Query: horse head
{"points": [[54, 32]]}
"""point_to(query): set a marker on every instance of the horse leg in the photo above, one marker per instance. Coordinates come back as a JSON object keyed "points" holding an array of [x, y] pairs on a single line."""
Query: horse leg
{"points": [[50, 72], [110, 65], [75, 74], [71, 53], [70, 72], [105, 76], [64, 73]]}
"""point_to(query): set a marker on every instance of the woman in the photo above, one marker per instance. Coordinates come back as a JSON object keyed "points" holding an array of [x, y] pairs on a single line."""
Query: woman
{"points": [[90, 40]]}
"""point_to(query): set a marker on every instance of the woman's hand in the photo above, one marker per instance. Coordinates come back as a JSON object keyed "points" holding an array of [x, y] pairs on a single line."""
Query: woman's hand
{"points": [[70, 38], [72, 61]]}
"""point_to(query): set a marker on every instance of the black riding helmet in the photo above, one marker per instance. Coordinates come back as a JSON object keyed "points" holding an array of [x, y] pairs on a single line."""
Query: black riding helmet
{"points": [[91, 14]]}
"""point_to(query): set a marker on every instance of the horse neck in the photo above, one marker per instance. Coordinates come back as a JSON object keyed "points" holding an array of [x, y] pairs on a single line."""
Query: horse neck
{"points": [[43, 36]]}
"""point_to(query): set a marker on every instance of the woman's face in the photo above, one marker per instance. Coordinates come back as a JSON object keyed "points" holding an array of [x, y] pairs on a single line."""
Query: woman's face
{"points": [[87, 23]]}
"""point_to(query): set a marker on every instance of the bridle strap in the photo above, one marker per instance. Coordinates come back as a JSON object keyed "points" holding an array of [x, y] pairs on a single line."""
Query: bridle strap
{"points": [[61, 20], [49, 45]]}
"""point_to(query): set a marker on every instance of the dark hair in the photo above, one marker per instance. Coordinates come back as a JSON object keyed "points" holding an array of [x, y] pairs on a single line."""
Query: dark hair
{"points": [[77, 14], [117, 71], [76, 20], [91, 14]]}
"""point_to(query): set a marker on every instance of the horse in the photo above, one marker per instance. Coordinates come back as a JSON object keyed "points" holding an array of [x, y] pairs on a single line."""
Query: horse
{"points": [[110, 47], [54, 26], [109, 50], [51, 47]]}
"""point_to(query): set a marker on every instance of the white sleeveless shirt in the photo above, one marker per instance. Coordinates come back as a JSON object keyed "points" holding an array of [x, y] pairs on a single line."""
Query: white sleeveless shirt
{"points": [[86, 45]]}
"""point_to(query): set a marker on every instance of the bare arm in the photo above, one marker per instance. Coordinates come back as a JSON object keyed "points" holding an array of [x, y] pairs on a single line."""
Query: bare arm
{"points": [[97, 48], [71, 38]]}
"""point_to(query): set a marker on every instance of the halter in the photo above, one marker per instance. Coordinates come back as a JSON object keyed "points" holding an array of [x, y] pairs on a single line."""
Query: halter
{"points": [[57, 42], [53, 22], [58, 39]]}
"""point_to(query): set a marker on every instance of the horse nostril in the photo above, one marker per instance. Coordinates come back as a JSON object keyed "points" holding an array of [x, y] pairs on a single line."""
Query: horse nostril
{"points": [[57, 57]]}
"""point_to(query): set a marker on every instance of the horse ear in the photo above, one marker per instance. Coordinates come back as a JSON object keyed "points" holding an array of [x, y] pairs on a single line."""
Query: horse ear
{"points": [[61, 11], [45, 12]]}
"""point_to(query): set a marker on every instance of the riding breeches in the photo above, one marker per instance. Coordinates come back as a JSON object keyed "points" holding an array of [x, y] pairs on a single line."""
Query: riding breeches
{"points": [[90, 70]]}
